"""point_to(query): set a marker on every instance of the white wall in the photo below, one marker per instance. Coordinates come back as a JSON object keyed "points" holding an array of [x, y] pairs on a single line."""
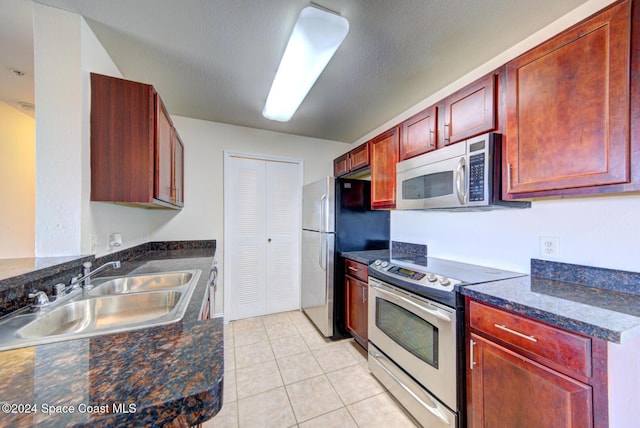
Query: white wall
{"points": [[58, 137], [18, 178], [594, 231], [204, 145]]}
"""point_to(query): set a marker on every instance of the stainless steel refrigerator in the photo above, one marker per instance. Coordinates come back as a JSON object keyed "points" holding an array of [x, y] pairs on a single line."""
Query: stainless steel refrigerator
{"points": [[336, 217]]}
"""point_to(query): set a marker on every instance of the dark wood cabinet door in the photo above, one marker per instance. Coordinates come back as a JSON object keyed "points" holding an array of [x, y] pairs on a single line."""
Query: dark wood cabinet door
{"points": [[508, 390], [471, 111], [178, 169], [164, 154], [341, 165], [419, 133], [384, 156], [359, 157], [357, 309], [136, 157], [568, 109], [122, 133]]}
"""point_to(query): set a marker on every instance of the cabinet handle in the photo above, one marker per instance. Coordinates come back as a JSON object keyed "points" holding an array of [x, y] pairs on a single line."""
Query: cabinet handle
{"points": [[446, 132], [508, 176], [517, 333], [472, 362], [431, 132], [353, 269]]}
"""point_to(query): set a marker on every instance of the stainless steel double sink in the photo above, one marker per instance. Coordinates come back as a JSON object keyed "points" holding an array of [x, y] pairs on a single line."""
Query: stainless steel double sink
{"points": [[115, 304]]}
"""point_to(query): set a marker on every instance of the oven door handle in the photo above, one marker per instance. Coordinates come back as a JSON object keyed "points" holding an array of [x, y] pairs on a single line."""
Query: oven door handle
{"points": [[430, 407], [435, 312]]}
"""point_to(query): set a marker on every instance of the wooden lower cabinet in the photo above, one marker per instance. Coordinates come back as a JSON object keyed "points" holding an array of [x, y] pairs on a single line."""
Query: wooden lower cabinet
{"points": [[523, 373], [511, 391], [357, 316], [357, 297]]}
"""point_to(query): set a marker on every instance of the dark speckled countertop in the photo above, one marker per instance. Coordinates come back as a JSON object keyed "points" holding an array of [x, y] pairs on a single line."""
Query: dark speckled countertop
{"points": [[162, 376], [366, 256], [598, 302]]}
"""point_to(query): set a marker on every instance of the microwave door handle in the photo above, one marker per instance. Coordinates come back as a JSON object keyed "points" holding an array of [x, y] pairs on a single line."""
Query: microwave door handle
{"points": [[460, 181]]}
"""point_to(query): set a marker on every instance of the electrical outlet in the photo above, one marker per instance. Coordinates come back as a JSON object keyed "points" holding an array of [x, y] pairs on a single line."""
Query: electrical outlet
{"points": [[549, 247]]}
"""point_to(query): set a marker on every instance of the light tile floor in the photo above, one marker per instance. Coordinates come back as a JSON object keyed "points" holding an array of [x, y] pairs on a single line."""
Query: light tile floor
{"points": [[280, 372]]}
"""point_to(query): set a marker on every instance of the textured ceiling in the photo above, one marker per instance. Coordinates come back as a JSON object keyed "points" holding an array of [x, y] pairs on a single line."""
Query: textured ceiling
{"points": [[215, 59]]}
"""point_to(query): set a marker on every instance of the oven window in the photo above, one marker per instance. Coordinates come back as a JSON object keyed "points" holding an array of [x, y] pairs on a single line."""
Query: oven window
{"points": [[408, 330], [428, 186]]}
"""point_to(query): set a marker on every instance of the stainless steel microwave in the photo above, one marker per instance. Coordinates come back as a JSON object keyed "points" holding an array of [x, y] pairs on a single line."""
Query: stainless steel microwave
{"points": [[465, 175]]}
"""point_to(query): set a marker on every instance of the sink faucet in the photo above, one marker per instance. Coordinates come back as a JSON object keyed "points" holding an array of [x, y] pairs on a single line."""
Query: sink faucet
{"points": [[41, 300], [87, 273]]}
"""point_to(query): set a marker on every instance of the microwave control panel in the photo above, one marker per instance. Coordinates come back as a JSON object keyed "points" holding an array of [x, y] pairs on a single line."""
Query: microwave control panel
{"points": [[476, 177]]}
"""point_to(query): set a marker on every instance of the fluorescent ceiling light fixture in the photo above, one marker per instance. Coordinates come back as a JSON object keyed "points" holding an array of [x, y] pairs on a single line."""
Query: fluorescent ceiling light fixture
{"points": [[315, 38]]}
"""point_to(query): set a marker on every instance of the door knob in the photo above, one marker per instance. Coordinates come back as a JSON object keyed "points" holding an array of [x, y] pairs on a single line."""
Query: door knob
{"points": [[269, 240]]}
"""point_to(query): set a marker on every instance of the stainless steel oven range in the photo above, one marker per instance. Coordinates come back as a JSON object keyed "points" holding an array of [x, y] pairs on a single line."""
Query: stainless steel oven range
{"points": [[416, 333]]}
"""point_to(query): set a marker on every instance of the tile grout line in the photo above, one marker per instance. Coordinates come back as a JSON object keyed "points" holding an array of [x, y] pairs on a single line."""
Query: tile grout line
{"points": [[324, 373], [284, 386]]}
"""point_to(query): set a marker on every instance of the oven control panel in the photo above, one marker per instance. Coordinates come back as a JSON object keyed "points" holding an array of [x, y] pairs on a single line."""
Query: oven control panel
{"points": [[415, 276], [407, 273]]}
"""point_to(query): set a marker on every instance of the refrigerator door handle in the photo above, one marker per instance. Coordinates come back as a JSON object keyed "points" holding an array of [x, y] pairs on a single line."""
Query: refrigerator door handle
{"points": [[321, 237], [323, 214]]}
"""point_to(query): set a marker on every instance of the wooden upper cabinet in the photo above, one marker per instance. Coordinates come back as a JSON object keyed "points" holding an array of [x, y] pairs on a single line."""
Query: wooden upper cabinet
{"points": [[352, 161], [134, 146], [384, 156], [359, 157], [341, 165], [419, 134], [163, 188], [470, 111], [568, 110], [178, 171]]}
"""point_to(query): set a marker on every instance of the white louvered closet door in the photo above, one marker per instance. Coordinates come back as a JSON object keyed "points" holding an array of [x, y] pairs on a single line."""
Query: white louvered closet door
{"points": [[264, 237], [283, 236]]}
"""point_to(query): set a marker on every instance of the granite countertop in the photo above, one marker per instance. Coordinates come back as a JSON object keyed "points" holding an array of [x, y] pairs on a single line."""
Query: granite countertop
{"points": [[598, 302], [366, 256], [162, 376]]}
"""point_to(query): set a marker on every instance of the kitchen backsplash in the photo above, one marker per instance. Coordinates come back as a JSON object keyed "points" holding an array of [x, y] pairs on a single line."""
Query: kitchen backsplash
{"points": [[606, 279], [407, 248], [14, 290]]}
